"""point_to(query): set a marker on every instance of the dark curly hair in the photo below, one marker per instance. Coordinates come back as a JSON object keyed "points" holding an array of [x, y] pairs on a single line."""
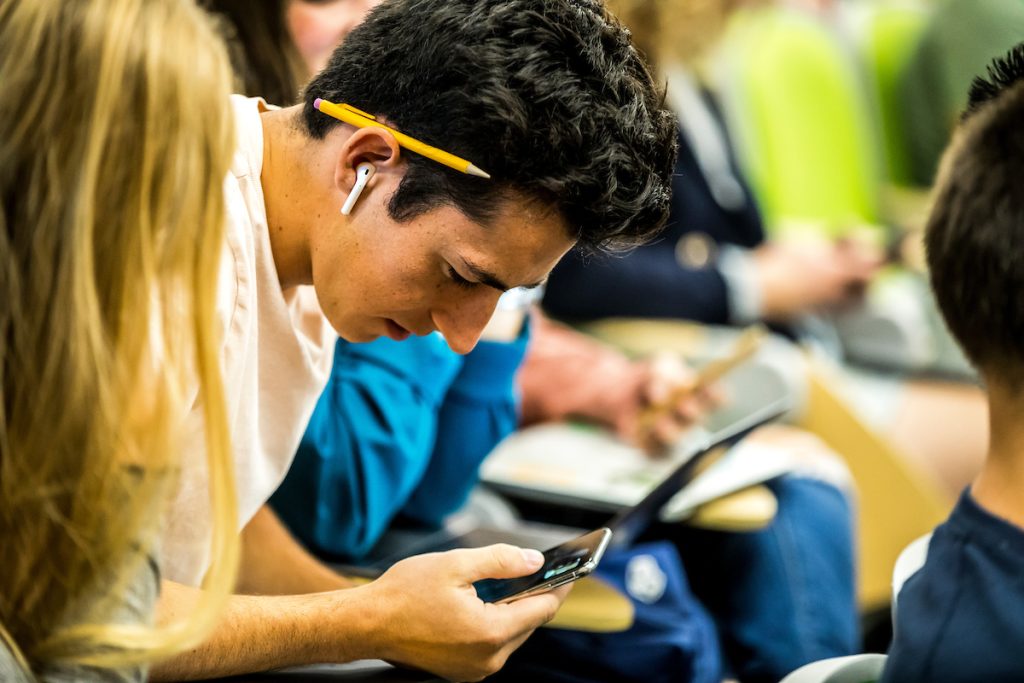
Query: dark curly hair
{"points": [[548, 96]]}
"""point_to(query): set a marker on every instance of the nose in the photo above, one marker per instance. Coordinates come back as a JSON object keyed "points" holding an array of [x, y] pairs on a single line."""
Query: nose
{"points": [[462, 323]]}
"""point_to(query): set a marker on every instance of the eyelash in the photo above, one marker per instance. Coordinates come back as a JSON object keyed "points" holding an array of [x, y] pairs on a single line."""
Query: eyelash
{"points": [[459, 281]]}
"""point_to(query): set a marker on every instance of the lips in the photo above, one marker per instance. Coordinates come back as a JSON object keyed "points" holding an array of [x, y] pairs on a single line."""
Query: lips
{"points": [[396, 331]]}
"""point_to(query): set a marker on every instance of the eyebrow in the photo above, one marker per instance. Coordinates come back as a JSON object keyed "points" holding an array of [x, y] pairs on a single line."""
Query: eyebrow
{"points": [[492, 280]]}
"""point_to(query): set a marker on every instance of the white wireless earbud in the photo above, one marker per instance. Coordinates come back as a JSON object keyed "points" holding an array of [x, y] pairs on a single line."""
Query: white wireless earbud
{"points": [[364, 172]]}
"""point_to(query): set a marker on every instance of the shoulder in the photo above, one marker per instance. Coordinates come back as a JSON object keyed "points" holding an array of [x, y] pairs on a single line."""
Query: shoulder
{"points": [[967, 598], [244, 206], [136, 606]]}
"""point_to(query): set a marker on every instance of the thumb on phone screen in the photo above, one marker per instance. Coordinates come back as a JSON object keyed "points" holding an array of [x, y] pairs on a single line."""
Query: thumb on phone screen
{"points": [[499, 561]]}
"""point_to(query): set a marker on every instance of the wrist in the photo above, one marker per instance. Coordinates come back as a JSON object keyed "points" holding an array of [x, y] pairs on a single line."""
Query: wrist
{"points": [[743, 284], [348, 626]]}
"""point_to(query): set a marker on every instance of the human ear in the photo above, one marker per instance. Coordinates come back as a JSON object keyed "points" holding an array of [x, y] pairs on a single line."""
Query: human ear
{"points": [[366, 152]]}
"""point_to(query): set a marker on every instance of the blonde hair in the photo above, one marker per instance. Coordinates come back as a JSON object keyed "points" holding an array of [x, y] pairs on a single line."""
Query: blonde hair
{"points": [[115, 137]]}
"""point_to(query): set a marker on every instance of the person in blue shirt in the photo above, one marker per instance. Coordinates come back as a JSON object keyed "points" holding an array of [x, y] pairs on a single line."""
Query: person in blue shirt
{"points": [[400, 431], [960, 617]]}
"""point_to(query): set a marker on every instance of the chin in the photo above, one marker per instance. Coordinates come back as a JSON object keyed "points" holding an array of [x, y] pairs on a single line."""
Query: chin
{"points": [[360, 337]]}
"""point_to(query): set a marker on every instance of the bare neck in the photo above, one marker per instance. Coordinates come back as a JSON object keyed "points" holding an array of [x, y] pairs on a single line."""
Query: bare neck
{"points": [[291, 180], [1000, 485]]}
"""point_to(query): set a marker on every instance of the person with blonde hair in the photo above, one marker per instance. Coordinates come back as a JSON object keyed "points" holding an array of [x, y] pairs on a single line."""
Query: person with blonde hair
{"points": [[114, 143]]}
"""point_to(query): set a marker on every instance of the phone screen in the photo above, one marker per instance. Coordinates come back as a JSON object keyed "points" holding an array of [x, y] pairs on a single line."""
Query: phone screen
{"points": [[564, 563]]}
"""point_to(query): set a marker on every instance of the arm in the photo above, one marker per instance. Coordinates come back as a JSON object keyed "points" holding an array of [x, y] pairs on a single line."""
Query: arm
{"points": [[256, 633], [273, 562], [423, 612]]}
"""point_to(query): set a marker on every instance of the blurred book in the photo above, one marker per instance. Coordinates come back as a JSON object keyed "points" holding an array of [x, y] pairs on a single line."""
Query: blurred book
{"points": [[586, 467]]}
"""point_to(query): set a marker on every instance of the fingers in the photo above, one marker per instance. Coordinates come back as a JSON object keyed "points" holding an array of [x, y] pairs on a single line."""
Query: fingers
{"points": [[689, 409], [666, 375], [664, 431], [712, 396], [499, 561], [523, 616], [670, 401]]}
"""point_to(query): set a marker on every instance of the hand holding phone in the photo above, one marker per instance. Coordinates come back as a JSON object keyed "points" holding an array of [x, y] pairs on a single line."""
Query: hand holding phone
{"points": [[562, 564], [423, 612]]}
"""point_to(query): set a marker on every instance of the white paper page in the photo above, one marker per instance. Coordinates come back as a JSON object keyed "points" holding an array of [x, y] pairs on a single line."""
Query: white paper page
{"points": [[588, 463], [581, 461]]}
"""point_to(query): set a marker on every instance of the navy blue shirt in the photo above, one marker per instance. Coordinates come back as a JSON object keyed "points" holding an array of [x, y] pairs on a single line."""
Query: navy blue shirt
{"points": [[961, 617]]}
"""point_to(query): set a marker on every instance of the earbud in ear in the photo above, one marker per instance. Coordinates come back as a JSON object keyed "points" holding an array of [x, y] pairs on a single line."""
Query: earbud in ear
{"points": [[364, 172]]}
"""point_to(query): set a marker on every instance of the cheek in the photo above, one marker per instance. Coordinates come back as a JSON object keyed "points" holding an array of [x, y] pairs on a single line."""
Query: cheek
{"points": [[374, 278]]}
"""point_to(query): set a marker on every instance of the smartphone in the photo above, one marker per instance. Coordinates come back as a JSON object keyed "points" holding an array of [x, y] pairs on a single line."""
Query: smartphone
{"points": [[562, 564]]}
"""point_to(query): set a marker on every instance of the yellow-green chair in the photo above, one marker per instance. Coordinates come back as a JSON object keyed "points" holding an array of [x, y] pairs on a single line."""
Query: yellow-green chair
{"points": [[798, 111], [886, 33]]}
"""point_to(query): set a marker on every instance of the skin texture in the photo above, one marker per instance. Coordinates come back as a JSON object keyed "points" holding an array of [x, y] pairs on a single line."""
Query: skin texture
{"points": [[288, 570], [997, 488]]}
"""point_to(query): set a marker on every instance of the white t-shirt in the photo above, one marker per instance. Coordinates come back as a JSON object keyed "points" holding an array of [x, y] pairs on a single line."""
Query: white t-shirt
{"points": [[276, 358]]}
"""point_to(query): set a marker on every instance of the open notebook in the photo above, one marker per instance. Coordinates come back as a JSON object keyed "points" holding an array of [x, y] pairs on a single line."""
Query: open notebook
{"points": [[583, 466]]}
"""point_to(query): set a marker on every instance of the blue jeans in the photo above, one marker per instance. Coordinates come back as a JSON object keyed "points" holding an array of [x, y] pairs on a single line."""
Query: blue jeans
{"points": [[783, 596]]}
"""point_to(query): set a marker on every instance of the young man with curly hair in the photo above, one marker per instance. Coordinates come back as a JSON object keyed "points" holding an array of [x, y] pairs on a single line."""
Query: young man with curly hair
{"points": [[547, 96]]}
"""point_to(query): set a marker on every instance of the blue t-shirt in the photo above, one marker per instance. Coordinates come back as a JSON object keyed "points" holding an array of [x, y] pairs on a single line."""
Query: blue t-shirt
{"points": [[960, 618]]}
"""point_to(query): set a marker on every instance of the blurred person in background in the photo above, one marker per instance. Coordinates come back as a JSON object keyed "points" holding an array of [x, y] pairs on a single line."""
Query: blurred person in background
{"points": [[712, 264]]}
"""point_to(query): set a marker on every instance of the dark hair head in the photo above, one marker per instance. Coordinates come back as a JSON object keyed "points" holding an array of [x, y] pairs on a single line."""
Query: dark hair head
{"points": [[548, 96], [976, 229]]}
